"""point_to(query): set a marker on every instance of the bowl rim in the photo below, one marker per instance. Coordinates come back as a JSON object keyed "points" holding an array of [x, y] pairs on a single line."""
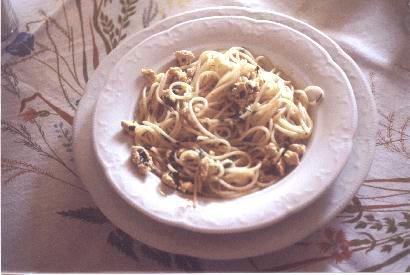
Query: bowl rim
{"points": [[207, 229]]}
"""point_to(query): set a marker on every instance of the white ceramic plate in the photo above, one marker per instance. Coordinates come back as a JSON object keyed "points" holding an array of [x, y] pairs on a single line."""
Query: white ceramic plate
{"points": [[288, 231], [300, 57]]}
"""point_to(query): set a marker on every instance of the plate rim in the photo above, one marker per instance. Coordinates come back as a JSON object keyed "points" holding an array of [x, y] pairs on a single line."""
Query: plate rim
{"points": [[140, 230]]}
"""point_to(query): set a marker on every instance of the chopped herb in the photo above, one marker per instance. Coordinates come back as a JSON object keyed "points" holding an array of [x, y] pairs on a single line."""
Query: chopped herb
{"points": [[201, 153], [257, 68], [144, 156]]}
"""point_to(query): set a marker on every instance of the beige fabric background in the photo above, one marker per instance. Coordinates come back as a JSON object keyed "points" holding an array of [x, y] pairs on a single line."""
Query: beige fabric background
{"points": [[49, 222]]}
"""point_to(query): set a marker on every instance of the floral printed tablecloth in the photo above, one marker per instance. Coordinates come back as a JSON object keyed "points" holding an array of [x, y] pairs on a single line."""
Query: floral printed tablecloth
{"points": [[49, 222]]}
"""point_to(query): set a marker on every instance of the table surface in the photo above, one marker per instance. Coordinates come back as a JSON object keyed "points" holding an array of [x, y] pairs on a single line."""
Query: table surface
{"points": [[50, 223]]}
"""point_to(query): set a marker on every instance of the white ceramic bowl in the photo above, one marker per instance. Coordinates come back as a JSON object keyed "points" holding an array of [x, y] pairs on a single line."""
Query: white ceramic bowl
{"points": [[297, 55]]}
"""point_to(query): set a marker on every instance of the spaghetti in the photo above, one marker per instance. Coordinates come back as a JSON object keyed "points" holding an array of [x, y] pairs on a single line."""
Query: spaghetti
{"points": [[225, 124]]}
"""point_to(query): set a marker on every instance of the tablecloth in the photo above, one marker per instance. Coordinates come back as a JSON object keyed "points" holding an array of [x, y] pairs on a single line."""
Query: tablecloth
{"points": [[49, 222]]}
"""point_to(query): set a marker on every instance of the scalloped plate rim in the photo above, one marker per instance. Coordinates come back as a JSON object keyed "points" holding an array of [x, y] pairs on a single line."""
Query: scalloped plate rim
{"points": [[118, 212]]}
